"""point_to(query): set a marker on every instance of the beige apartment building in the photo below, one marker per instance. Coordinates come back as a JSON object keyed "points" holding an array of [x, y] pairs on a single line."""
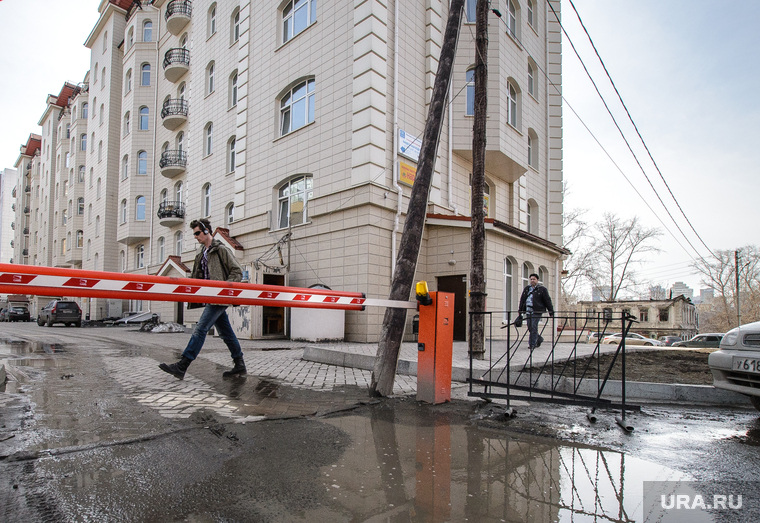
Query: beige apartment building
{"points": [[295, 127]]}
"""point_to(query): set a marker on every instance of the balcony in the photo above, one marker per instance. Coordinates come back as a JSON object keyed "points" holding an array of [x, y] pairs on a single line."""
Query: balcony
{"points": [[173, 163], [12, 244], [27, 210], [25, 252], [176, 63], [178, 15], [26, 230], [171, 213], [28, 188], [13, 207], [174, 113], [29, 166], [13, 193]]}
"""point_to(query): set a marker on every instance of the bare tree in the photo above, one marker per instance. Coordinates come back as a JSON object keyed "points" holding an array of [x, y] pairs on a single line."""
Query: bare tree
{"points": [[719, 274], [618, 245], [579, 264]]}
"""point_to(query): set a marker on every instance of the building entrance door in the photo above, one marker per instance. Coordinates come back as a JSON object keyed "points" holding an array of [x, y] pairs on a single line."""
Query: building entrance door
{"points": [[273, 318], [457, 285]]}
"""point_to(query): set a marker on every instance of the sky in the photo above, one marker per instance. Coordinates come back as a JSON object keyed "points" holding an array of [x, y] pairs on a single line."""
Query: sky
{"points": [[686, 69]]}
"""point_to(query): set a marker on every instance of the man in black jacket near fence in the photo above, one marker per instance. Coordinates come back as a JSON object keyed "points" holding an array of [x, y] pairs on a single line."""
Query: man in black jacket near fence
{"points": [[535, 300]]}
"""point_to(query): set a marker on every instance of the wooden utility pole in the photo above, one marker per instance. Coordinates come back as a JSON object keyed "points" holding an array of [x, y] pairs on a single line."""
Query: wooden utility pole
{"points": [[384, 373], [477, 210]]}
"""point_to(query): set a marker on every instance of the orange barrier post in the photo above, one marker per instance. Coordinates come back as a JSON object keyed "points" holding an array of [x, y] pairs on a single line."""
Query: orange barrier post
{"points": [[435, 346]]}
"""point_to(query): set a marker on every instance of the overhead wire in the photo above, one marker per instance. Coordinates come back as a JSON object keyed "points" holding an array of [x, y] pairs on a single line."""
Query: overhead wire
{"points": [[630, 118]]}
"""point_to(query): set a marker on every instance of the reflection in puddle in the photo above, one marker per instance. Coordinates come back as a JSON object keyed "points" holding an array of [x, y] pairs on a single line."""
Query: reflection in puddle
{"points": [[21, 348], [433, 470]]}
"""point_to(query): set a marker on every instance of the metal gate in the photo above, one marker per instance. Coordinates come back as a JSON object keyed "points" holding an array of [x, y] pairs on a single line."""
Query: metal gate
{"points": [[569, 366]]}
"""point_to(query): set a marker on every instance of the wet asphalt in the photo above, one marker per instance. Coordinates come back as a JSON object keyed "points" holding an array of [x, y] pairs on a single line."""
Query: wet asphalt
{"points": [[91, 430]]}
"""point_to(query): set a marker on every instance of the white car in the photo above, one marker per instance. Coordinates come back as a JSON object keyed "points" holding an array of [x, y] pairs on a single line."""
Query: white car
{"points": [[631, 339], [736, 366]]}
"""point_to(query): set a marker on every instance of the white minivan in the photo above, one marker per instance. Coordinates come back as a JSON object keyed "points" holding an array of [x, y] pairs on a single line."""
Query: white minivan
{"points": [[736, 366]]}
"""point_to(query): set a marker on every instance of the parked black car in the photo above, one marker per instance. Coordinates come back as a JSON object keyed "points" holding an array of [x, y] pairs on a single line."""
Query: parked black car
{"points": [[60, 311], [18, 313]]}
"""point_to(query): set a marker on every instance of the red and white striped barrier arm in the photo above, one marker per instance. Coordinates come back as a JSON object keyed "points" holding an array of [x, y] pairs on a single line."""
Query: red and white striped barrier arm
{"points": [[49, 281]]}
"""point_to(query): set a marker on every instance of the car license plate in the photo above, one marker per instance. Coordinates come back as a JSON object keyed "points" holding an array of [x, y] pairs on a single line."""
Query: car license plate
{"points": [[746, 365]]}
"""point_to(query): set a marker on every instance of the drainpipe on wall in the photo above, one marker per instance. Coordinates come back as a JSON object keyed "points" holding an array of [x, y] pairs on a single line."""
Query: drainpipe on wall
{"points": [[394, 170], [451, 154], [155, 144]]}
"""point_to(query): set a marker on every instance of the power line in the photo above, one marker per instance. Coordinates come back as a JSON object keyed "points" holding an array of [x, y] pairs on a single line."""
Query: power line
{"points": [[614, 120], [630, 118]]}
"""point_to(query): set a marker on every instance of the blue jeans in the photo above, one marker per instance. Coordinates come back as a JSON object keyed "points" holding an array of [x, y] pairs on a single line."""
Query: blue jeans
{"points": [[533, 319], [213, 316]]}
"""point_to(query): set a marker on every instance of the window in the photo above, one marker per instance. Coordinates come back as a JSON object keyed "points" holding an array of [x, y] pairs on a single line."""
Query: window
{"points": [[511, 19], [181, 91], [100, 150], [178, 243], [145, 74], [97, 226], [532, 148], [229, 213], [85, 107], [144, 115], [148, 31], [180, 141], [140, 256], [92, 143], [231, 155], [235, 26], [94, 106], [103, 78], [163, 196], [105, 41], [508, 279], [210, 78], [293, 198], [89, 213], [664, 315], [531, 13], [83, 142], [208, 141], [97, 190], [643, 314], [178, 192], [81, 174], [511, 105], [80, 206], [297, 107], [128, 82], [161, 249], [140, 209], [297, 15], [233, 94], [80, 239], [142, 162], [532, 217], [531, 80], [123, 261], [95, 261], [470, 79], [124, 211], [526, 270], [130, 38], [126, 124], [211, 20], [543, 276], [206, 200], [470, 11]]}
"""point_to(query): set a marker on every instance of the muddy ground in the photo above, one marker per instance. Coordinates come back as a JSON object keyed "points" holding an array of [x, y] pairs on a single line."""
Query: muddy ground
{"points": [[652, 365]]}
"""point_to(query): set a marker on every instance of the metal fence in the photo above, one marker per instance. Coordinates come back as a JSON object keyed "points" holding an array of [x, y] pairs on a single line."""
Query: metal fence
{"points": [[570, 366]]}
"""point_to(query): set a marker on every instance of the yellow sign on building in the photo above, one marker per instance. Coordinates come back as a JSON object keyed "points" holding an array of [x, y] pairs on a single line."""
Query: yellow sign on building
{"points": [[406, 173]]}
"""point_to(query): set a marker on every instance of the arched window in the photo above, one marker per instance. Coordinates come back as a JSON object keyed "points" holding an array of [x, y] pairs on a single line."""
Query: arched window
{"points": [[144, 117], [83, 142], [233, 94], [231, 155], [125, 167], [80, 206], [80, 239], [96, 262], [161, 248], [130, 38], [140, 209], [229, 213], [297, 107], [206, 200], [532, 148], [532, 80], [470, 80], [543, 276], [123, 261], [147, 31], [235, 26], [297, 15], [85, 107], [178, 243], [527, 268], [97, 226], [512, 18], [145, 74], [89, 249], [512, 117], [532, 216], [178, 192], [162, 197], [140, 256], [211, 28], [81, 174], [210, 78], [97, 190], [142, 162], [105, 41], [208, 141], [293, 197], [126, 124], [180, 141], [531, 13], [124, 211], [100, 151]]}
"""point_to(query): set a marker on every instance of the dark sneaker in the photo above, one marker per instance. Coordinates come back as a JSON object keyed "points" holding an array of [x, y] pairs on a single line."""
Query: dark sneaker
{"points": [[176, 369], [238, 370]]}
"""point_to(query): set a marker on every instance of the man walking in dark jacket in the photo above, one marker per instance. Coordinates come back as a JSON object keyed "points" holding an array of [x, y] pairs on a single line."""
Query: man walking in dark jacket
{"points": [[213, 262], [534, 302]]}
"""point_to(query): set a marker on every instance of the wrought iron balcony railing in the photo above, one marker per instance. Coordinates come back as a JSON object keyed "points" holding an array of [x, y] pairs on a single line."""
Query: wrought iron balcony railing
{"points": [[173, 209], [173, 159]]}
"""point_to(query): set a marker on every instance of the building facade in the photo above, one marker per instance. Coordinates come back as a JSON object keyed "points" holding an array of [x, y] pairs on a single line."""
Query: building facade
{"points": [[8, 193], [654, 318], [293, 128]]}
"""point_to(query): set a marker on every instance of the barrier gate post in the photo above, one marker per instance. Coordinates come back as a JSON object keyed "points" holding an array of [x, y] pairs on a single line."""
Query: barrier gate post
{"points": [[434, 348]]}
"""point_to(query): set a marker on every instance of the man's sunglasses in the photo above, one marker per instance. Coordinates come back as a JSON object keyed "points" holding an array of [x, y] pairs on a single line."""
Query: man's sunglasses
{"points": [[197, 233]]}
